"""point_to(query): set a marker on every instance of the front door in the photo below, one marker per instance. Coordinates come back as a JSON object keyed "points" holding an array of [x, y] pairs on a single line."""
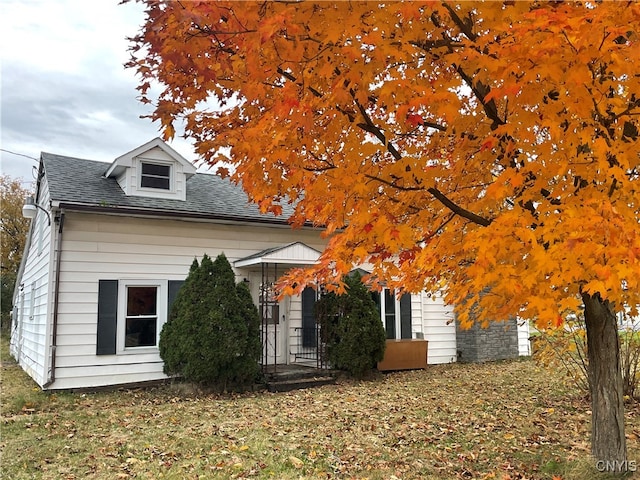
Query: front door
{"points": [[274, 341], [274, 324]]}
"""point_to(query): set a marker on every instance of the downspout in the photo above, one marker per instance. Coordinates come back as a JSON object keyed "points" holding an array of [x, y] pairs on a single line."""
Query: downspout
{"points": [[56, 296]]}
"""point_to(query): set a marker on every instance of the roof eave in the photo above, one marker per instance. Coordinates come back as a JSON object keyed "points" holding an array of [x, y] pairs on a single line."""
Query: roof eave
{"points": [[261, 260], [169, 214]]}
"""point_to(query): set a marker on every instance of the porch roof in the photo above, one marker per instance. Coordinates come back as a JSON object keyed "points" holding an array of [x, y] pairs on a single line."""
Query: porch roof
{"points": [[296, 253]]}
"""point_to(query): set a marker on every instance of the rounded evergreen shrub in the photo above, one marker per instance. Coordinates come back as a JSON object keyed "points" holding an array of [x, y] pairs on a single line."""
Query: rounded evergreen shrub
{"points": [[211, 334], [351, 328]]}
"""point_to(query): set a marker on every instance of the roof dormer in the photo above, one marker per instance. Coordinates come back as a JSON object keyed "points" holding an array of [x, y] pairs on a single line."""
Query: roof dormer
{"points": [[152, 170]]}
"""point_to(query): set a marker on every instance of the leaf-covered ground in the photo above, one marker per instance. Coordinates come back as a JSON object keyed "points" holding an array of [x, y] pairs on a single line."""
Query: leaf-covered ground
{"points": [[506, 420]]}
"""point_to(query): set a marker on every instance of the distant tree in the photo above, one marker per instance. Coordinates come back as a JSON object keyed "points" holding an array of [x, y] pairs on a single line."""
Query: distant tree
{"points": [[13, 235], [351, 327], [207, 337]]}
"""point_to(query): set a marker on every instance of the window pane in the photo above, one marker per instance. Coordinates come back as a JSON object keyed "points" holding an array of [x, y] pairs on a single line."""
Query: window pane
{"points": [[140, 332], [155, 182], [141, 301], [405, 316], [271, 314], [156, 176], [156, 170]]}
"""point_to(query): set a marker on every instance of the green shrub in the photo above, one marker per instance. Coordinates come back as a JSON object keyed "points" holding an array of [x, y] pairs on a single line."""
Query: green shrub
{"points": [[211, 334], [253, 346], [174, 335], [351, 328]]}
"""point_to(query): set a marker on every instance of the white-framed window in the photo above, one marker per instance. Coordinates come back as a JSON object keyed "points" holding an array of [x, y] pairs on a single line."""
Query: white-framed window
{"points": [[395, 313], [142, 311], [156, 176]]}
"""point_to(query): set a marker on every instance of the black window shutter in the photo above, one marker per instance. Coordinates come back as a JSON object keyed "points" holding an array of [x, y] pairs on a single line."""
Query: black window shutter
{"points": [[390, 313], [308, 319], [107, 317], [405, 316], [174, 286]]}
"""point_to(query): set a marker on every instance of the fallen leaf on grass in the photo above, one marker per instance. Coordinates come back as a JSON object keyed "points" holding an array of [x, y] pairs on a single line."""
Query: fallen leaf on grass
{"points": [[356, 430], [296, 462]]}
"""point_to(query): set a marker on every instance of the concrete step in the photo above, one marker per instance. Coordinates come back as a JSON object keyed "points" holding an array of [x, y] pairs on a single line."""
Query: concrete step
{"points": [[293, 372], [298, 383]]}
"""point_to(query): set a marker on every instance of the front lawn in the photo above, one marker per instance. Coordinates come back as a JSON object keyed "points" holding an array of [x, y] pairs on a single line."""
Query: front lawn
{"points": [[505, 420]]}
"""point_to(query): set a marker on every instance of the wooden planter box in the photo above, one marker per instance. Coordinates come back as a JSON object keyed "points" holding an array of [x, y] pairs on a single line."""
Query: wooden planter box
{"points": [[406, 354]]}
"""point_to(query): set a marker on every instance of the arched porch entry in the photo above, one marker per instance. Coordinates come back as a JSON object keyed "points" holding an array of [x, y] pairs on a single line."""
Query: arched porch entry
{"points": [[288, 329]]}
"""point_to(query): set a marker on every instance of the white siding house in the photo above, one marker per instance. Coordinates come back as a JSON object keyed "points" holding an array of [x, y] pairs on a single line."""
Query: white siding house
{"points": [[107, 232]]}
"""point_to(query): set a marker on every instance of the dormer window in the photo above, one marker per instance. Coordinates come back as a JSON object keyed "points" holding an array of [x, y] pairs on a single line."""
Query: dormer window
{"points": [[153, 170], [154, 175]]}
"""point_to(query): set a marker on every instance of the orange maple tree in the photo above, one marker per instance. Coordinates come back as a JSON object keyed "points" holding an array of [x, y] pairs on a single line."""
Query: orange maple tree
{"points": [[485, 150]]}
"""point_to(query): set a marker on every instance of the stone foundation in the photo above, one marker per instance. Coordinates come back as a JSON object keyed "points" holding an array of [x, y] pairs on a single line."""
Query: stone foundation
{"points": [[499, 341]]}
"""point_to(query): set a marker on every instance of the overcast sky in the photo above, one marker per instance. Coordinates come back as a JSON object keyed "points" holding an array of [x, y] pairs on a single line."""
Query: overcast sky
{"points": [[64, 87]]}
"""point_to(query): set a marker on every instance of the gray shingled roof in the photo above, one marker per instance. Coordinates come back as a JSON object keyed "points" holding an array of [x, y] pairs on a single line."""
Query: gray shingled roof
{"points": [[79, 183]]}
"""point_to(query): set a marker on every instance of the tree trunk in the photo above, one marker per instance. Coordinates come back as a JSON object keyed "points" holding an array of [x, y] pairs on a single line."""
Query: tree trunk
{"points": [[608, 444]]}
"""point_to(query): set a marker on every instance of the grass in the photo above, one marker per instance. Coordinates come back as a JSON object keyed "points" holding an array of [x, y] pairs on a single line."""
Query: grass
{"points": [[504, 420]]}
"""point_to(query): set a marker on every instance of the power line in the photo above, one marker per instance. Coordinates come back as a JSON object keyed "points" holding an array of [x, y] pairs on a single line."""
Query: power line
{"points": [[19, 154]]}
